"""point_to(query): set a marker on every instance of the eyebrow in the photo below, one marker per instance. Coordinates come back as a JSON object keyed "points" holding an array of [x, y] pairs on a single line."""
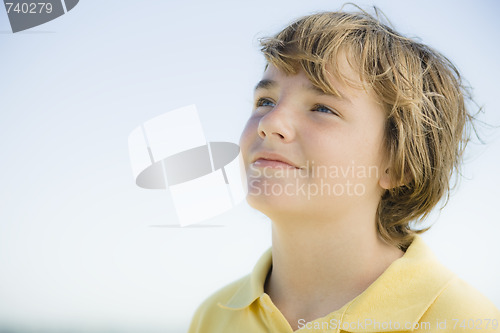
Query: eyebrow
{"points": [[270, 84], [266, 84]]}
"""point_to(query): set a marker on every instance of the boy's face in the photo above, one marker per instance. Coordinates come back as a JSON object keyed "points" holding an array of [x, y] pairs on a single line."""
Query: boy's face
{"points": [[332, 147]]}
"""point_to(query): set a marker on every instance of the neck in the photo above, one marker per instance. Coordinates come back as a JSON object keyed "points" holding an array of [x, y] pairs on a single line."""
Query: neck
{"points": [[318, 267]]}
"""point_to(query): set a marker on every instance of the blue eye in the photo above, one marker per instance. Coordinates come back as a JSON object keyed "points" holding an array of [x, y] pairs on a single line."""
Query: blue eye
{"points": [[264, 102], [323, 109]]}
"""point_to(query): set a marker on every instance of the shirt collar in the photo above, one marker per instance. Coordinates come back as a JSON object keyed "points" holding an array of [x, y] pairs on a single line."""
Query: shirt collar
{"points": [[253, 287], [404, 291]]}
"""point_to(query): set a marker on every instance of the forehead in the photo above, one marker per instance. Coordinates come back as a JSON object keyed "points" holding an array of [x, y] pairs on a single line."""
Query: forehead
{"points": [[274, 78], [336, 75]]}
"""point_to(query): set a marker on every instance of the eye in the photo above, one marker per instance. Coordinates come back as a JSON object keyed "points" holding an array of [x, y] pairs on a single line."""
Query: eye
{"points": [[323, 109], [264, 102]]}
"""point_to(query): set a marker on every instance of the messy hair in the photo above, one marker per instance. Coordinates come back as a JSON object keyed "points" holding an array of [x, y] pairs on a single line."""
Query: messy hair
{"points": [[428, 122]]}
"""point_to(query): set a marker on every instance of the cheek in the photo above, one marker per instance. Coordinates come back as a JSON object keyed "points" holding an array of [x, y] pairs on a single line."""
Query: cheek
{"points": [[328, 147], [371, 145], [248, 136], [344, 155]]}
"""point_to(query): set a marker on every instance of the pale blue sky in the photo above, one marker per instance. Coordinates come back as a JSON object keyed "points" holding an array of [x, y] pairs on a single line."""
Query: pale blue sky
{"points": [[82, 246]]}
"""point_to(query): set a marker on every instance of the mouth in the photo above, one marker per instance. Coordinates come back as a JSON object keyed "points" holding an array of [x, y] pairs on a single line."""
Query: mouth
{"points": [[272, 160]]}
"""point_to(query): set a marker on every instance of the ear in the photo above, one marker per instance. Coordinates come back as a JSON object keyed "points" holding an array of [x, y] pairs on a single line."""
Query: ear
{"points": [[385, 180], [386, 183]]}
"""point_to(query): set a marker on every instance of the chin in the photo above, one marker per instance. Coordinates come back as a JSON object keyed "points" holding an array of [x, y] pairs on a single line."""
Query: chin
{"points": [[272, 205]]}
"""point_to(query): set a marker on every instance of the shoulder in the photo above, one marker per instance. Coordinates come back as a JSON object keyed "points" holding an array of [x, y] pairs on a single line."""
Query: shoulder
{"points": [[210, 313], [460, 296], [463, 307], [232, 305]]}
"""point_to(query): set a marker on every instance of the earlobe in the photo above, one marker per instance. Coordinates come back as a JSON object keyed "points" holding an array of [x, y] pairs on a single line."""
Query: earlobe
{"points": [[385, 180], [386, 183]]}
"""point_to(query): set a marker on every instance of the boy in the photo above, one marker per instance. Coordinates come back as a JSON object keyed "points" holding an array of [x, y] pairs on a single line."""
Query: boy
{"points": [[355, 133]]}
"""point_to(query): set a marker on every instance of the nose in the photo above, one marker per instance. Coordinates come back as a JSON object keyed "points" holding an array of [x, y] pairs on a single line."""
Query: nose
{"points": [[277, 124]]}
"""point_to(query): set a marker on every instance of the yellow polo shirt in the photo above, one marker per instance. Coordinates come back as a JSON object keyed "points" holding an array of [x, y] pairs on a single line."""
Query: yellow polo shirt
{"points": [[415, 293]]}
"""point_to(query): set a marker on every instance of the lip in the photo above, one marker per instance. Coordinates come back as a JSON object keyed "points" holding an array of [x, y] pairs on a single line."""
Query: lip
{"points": [[273, 160]]}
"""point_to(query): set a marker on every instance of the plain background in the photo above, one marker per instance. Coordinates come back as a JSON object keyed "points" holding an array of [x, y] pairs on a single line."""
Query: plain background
{"points": [[82, 249]]}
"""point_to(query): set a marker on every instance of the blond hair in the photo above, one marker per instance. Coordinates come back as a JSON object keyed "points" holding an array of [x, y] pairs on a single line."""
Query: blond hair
{"points": [[427, 125]]}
